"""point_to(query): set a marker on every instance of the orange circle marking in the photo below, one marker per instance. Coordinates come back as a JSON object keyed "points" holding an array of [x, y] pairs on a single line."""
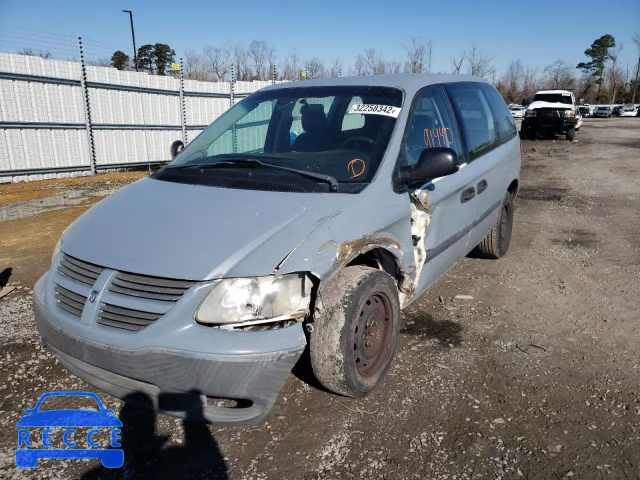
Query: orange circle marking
{"points": [[356, 171]]}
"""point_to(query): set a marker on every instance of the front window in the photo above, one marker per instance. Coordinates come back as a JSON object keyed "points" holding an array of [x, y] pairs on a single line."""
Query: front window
{"points": [[336, 132], [553, 98]]}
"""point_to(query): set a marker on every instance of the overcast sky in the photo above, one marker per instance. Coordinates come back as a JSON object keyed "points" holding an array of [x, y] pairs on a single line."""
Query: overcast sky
{"points": [[537, 32]]}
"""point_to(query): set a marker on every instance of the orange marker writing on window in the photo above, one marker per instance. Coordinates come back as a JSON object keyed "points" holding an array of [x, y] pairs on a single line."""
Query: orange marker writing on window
{"points": [[356, 167]]}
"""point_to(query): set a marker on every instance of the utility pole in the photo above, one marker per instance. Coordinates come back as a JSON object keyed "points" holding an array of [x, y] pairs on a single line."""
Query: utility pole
{"points": [[133, 36]]}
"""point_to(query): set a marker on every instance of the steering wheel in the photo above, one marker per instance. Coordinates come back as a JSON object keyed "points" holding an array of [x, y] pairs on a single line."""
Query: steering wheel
{"points": [[357, 139]]}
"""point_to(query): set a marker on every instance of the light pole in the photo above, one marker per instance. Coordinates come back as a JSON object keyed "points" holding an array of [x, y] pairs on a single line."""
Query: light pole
{"points": [[133, 36]]}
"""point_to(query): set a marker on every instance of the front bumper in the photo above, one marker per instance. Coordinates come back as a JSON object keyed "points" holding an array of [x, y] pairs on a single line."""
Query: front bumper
{"points": [[544, 122], [183, 377]]}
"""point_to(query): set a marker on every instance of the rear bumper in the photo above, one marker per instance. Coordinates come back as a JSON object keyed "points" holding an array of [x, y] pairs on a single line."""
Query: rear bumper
{"points": [[175, 381]]}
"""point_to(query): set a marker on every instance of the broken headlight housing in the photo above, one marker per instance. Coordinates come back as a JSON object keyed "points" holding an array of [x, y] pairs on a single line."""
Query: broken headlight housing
{"points": [[250, 301]]}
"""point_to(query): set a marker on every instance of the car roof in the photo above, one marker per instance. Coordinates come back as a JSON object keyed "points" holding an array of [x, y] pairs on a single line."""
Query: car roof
{"points": [[409, 82], [553, 91]]}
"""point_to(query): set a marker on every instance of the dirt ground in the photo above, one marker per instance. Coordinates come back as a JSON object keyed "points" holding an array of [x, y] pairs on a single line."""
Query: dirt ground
{"points": [[536, 377]]}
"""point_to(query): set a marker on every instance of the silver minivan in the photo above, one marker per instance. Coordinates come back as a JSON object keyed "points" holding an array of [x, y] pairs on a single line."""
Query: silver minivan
{"points": [[310, 213]]}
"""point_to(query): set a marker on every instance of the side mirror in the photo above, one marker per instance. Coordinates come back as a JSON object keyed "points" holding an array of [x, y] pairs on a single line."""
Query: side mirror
{"points": [[433, 163], [176, 148]]}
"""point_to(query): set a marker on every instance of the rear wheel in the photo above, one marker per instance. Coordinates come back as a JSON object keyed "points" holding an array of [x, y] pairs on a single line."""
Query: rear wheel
{"points": [[496, 244], [355, 331]]}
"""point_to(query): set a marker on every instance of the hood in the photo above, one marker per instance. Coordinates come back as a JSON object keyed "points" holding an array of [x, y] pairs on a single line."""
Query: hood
{"points": [[191, 232], [564, 106]]}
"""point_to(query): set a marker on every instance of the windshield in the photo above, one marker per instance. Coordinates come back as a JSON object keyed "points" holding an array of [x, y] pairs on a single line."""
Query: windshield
{"points": [[517, 108], [604, 108], [341, 132], [553, 98]]}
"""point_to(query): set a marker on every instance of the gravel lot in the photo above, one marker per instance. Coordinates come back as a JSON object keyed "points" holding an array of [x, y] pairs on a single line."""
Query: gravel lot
{"points": [[536, 376]]}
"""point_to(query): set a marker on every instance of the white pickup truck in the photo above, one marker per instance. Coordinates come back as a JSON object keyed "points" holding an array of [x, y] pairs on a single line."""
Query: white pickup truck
{"points": [[552, 111]]}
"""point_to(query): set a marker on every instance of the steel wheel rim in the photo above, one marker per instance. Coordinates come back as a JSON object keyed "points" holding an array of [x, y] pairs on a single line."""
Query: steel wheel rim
{"points": [[373, 333]]}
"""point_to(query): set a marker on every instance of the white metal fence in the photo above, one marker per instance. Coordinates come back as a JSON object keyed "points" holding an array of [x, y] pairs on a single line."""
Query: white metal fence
{"points": [[58, 117]]}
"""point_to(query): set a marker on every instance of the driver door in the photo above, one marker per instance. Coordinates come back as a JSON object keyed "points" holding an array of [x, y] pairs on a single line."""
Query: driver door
{"points": [[447, 201]]}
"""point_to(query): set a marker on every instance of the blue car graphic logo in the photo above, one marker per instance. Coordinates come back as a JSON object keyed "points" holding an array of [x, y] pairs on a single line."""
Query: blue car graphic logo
{"points": [[32, 447]]}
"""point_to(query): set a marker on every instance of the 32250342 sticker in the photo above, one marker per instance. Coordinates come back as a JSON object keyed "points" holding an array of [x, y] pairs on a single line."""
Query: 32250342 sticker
{"points": [[370, 109]]}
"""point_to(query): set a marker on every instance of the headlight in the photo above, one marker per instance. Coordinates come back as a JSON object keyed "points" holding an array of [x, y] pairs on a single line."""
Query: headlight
{"points": [[569, 113], [530, 113], [56, 249], [256, 300]]}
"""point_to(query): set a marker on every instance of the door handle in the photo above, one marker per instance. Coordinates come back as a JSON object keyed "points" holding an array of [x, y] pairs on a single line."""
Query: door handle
{"points": [[482, 186], [467, 194]]}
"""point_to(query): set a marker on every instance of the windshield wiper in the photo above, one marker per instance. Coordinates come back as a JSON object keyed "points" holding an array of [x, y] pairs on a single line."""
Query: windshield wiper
{"points": [[333, 183]]}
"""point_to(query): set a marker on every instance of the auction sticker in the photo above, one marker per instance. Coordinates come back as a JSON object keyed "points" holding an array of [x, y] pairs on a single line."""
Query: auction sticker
{"points": [[369, 109]]}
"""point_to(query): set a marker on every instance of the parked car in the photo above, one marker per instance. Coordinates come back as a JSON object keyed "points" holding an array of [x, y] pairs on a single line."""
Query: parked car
{"points": [[603, 112], [210, 276], [551, 111], [628, 111], [615, 111], [585, 111], [517, 111]]}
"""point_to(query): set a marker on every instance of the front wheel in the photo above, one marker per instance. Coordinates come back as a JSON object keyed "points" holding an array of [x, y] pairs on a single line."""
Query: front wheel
{"points": [[496, 244], [355, 331], [571, 134]]}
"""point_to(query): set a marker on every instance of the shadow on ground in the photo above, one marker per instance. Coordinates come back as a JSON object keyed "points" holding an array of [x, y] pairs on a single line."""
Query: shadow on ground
{"points": [[144, 456], [445, 332]]}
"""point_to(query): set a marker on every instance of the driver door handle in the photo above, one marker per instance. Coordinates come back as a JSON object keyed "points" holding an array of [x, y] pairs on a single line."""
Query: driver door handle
{"points": [[467, 194]]}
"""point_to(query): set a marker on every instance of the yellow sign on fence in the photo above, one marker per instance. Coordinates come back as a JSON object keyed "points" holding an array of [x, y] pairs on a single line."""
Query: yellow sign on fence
{"points": [[175, 67]]}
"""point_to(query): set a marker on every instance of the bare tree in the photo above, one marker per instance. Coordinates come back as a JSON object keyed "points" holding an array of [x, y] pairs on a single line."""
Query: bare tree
{"points": [[335, 69], [615, 75], [479, 63], [315, 68], [218, 61], [40, 53], [291, 66], [258, 52], [194, 67], [457, 64], [240, 61], [512, 81], [393, 67], [418, 56], [360, 66], [560, 76], [530, 82], [636, 42]]}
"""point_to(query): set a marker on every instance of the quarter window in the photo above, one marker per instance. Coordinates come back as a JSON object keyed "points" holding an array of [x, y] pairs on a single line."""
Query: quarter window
{"points": [[478, 121], [432, 125]]}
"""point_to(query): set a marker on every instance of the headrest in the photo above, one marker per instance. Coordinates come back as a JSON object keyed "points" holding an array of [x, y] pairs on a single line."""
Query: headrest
{"points": [[313, 118]]}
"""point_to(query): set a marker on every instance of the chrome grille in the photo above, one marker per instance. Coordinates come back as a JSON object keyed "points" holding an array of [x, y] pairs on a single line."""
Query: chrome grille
{"points": [[78, 270], [70, 301], [152, 288], [125, 318]]}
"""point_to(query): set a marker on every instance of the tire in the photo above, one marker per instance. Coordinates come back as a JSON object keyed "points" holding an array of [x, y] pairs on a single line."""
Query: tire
{"points": [[571, 134], [361, 302], [496, 244]]}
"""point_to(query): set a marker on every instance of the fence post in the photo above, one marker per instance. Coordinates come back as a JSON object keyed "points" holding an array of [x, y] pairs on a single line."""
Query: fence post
{"points": [[231, 100], [183, 106], [87, 110]]}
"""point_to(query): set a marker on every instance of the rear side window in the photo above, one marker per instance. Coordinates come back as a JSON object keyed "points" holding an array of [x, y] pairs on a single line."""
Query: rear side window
{"points": [[477, 119], [504, 124]]}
